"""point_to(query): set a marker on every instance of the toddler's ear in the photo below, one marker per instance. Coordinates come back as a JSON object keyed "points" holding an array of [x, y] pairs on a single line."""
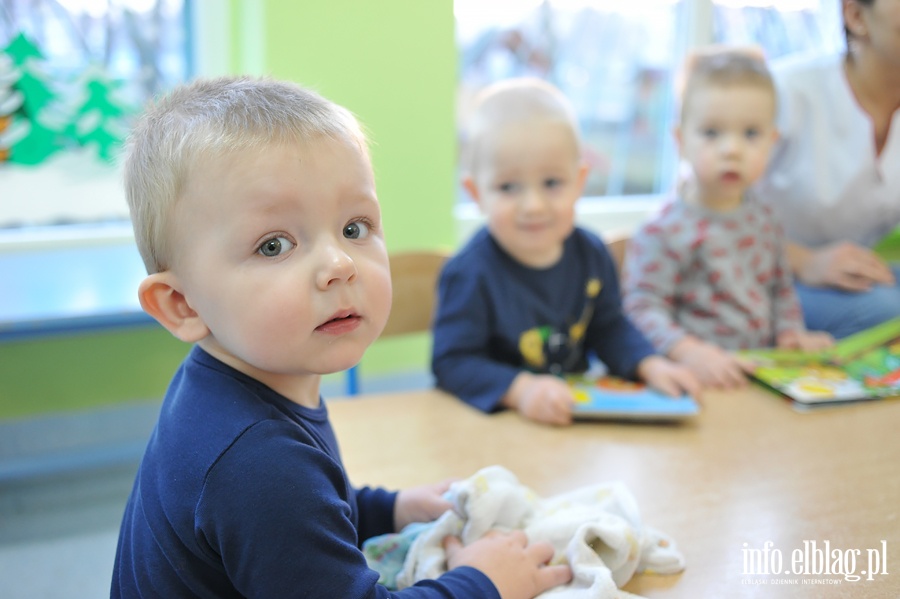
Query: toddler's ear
{"points": [[469, 184], [583, 170], [161, 298], [676, 133]]}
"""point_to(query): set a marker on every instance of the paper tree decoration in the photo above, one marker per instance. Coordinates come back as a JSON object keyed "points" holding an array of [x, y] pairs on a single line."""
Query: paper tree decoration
{"points": [[29, 97], [10, 101], [100, 119], [35, 122]]}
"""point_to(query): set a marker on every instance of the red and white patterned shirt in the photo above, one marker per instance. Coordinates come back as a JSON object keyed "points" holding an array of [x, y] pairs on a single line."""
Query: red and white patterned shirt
{"points": [[720, 276]]}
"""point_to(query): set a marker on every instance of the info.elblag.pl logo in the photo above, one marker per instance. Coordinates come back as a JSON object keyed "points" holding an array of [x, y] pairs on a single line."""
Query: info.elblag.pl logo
{"points": [[812, 563]]}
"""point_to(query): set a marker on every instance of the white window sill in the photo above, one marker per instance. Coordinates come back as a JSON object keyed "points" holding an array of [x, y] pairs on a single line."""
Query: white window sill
{"points": [[74, 235]]}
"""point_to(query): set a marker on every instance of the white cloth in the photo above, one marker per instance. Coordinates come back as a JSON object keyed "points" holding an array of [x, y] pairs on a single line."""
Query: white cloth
{"points": [[596, 530], [824, 180]]}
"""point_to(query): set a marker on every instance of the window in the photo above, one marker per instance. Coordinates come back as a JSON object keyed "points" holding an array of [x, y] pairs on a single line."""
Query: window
{"points": [[781, 28], [142, 43], [617, 61], [72, 75]]}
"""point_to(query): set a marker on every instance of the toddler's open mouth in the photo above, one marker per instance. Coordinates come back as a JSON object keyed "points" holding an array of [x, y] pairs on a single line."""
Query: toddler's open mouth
{"points": [[341, 322]]}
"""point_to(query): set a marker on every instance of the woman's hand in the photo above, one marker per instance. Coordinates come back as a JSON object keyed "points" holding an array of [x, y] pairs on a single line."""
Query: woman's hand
{"points": [[846, 266]]}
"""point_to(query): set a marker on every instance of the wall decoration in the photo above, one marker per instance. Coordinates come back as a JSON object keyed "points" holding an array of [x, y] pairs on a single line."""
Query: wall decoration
{"points": [[73, 74], [11, 100], [35, 133], [40, 122], [99, 120]]}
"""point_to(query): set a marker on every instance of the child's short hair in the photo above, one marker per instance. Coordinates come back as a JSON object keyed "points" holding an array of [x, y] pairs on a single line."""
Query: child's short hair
{"points": [[211, 118], [512, 101], [722, 66]]}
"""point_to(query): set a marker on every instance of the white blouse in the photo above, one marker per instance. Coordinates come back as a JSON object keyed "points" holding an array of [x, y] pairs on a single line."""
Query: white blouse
{"points": [[824, 180]]}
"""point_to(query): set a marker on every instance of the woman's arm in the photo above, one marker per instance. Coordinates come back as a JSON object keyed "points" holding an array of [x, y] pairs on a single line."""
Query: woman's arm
{"points": [[843, 265]]}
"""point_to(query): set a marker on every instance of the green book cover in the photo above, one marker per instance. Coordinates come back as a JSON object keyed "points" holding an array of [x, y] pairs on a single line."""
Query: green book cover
{"points": [[859, 367], [889, 247]]}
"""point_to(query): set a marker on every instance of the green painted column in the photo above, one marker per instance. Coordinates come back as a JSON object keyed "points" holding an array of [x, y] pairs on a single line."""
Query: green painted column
{"points": [[393, 63]]}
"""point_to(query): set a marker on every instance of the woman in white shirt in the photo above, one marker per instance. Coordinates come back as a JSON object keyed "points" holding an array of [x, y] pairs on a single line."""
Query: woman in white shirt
{"points": [[834, 179]]}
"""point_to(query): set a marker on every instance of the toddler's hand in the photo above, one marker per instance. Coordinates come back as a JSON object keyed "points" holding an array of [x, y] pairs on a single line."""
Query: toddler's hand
{"points": [[541, 397], [667, 376], [421, 504], [518, 569], [711, 364], [804, 340]]}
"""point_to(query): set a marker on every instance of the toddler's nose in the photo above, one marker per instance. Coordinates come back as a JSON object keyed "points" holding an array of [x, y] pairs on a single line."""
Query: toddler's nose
{"points": [[532, 199], [337, 265]]}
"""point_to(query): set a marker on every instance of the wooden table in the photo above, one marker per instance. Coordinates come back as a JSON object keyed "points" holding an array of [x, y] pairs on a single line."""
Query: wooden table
{"points": [[748, 471]]}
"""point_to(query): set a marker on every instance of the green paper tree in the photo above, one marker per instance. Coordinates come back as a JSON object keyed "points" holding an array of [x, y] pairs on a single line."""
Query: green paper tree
{"points": [[100, 118], [21, 50], [10, 101], [36, 138]]}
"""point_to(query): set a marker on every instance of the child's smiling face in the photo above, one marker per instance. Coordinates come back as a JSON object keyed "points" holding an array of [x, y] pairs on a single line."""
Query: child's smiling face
{"points": [[280, 252], [527, 181]]}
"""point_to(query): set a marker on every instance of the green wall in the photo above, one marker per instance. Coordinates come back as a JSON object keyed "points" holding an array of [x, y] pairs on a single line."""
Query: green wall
{"points": [[71, 372], [391, 62]]}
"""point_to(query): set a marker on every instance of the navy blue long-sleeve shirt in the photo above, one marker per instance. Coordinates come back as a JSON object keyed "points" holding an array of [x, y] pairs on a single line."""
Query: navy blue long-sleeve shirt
{"points": [[497, 317], [242, 493]]}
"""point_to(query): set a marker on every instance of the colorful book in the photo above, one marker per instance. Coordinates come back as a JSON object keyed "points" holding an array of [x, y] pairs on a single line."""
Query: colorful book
{"points": [[613, 398], [863, 366], [888, 248]]}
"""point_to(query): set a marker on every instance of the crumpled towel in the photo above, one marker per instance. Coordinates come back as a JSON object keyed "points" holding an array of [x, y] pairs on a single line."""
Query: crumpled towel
{"points": [[596, 530]]}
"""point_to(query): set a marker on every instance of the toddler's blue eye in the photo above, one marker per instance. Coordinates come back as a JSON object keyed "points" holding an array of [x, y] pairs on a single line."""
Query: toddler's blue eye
{"points": [[508, 187], [751, 133], [275, 246], [356, 230], [710, 133], [551, 183]]}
